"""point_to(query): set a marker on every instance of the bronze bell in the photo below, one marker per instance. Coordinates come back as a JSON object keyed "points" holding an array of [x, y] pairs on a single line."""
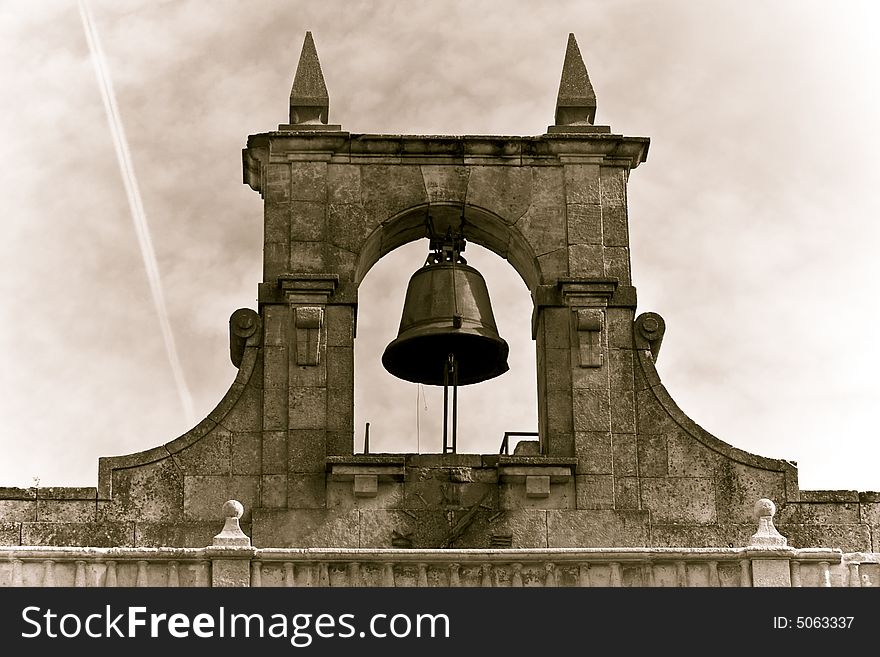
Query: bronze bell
{"points": [[446, 313]]}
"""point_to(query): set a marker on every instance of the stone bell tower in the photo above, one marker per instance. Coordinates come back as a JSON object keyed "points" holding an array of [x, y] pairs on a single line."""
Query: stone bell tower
{"points": [[616, 462]]}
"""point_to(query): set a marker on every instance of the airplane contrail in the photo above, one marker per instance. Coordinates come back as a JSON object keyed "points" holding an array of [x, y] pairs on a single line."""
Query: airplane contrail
{"points": [[138, 215]]}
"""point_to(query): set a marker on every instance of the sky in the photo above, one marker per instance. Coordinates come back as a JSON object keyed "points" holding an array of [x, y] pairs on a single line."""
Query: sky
{"points": [[753, 222]]}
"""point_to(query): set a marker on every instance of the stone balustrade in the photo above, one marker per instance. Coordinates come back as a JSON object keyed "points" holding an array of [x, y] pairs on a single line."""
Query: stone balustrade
{"points": [[232, 561]]}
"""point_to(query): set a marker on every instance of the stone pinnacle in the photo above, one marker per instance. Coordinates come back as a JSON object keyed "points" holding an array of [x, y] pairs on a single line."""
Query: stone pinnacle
{"points": [[576, 102], [309, 101]]}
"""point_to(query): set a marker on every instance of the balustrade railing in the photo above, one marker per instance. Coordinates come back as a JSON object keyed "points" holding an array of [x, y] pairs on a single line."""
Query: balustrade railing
{"points": [[232, 561]]}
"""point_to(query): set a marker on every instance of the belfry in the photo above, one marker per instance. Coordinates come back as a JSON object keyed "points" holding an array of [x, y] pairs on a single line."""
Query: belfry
{"points": [[617, 473]]}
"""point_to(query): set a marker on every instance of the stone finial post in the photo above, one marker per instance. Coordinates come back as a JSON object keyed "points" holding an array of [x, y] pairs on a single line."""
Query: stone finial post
{"points": [[767, 534], [309, 100], [231, 551], [576, 101], [771, 557], [231, 533]]}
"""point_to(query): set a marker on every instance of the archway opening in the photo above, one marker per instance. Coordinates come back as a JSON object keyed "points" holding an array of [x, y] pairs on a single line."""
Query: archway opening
{"points": [[408, 417]]}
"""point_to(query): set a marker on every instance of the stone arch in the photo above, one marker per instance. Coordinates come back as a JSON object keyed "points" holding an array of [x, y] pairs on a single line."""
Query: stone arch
{"points": [[481, 226]]}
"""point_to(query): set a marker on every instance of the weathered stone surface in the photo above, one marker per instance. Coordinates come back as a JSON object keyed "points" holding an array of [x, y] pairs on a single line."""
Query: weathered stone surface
{"points": [[350, 225], [526, 527], [652, 454], [246, 453], [582, 184], [341, 401], [687, 457], [204, 495], [718, 535], [559, 411], [14, 493], [592, 410], [307, 450], [308, 181], [505, 191], [445, 182], [619, 328], [594, 451], [276, 222], [341, 496], [274, 454], [625, 455], [10, 533], [18, 510], [340, 443], [615, 228], [151, 492], [623, 412], [738, 486], [617, 264], [277, 185], [543, 228], [688, 500], [390, 189], [274, 491], [820, 513], [651, 416], [869, 513], [620, 365], [230, 573], [339, 326], [423, 528], [245, 414], [66, 511], [308, 408], [551, 265], [212, 455], [849, 538], [515, 496], [179, 534], [306, 491], [275, 409], [308, 257], [626, 493], [597, 528], [305, 528], [586, 260], [307, 221], [78, 534], [344, 183], [595, 491], [584, 223]]}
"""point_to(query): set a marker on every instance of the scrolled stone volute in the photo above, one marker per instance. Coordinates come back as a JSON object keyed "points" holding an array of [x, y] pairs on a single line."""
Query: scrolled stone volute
{"points": [[649, 330], [244, 330]]}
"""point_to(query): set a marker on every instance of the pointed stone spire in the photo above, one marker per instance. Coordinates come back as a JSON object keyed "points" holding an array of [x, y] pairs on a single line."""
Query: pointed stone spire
{"points": [[309, 101], [576, 102]]}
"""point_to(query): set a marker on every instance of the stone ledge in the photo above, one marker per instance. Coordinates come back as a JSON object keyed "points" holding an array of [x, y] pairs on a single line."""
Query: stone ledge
{"points": [[829, 496], [383, 467], [67, 493], [525, 469], [12, 493], [451, 149]]}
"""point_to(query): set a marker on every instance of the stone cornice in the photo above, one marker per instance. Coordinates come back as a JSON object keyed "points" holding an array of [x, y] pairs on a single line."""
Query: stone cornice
{"points": [[347, 148]]}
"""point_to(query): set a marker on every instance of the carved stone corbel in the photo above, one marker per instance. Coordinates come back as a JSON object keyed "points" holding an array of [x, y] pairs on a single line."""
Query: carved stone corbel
{"points": [[588, 324], [308, 320]]}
